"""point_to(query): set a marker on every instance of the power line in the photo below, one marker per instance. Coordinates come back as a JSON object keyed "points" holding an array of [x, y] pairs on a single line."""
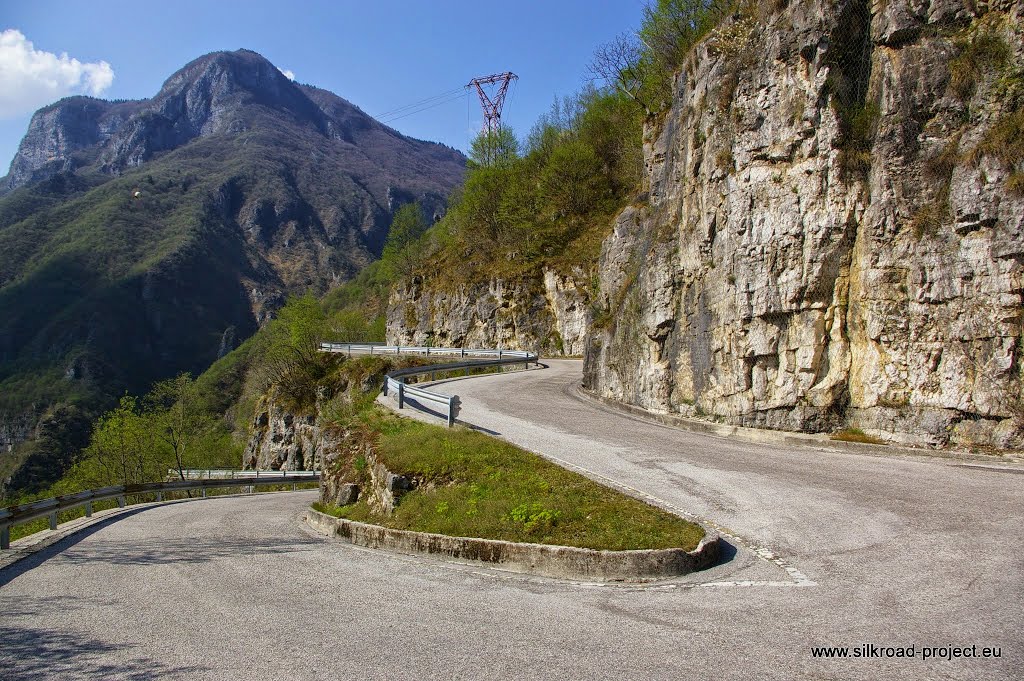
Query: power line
{"points": [[443, 95], [404, 114]]}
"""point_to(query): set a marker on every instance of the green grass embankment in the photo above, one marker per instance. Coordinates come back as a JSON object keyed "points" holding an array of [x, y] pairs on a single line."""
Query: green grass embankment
{"points": [[472, 485]]}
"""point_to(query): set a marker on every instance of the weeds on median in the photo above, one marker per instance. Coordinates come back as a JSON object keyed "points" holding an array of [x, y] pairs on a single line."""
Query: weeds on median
{"points": [[855, 435], [469, 484]]}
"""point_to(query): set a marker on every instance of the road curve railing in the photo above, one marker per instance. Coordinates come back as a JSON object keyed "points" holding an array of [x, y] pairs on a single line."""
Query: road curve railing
{"points": [[395, 383], [211, 473], [23, 513]]}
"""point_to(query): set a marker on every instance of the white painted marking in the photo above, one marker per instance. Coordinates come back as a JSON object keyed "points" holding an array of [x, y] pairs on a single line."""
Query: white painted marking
{"points": [[799, 578]]}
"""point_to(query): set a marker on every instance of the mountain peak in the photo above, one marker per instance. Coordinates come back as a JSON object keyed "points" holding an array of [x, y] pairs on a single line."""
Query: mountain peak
{"points": [[220, 92], [246, 66]]}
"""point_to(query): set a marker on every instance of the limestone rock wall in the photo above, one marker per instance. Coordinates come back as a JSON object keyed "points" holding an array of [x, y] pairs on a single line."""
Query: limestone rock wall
{"points": [[828, 242], [281, 440], [549, 313]]}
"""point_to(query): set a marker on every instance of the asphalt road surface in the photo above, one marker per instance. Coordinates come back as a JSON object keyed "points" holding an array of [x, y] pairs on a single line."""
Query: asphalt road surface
{"points": [[827, 549]]}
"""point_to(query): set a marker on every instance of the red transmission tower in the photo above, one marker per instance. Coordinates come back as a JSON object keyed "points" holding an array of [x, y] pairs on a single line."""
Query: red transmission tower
{"points": [[492, 107]]}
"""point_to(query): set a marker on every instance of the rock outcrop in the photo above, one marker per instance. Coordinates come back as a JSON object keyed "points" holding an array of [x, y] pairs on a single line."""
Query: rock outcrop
{"points": [[282, 441], [834, 235], [351, 470], [549, 313]]}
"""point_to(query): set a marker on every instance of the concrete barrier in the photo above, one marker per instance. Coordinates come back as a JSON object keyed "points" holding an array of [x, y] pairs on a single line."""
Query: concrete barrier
{"points": [[563, 562]]}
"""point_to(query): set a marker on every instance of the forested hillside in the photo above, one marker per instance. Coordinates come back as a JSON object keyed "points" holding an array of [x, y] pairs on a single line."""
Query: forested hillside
{"points": [[146, 238]]}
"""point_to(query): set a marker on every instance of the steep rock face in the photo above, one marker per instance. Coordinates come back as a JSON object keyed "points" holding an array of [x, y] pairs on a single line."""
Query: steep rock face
{"points": [[550, 315], [827, 243], [280, 440], [14, 430], [60, 136]]}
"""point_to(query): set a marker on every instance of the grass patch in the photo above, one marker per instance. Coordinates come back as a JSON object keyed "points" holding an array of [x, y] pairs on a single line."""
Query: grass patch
{"points": [[1005, 141], [858, 125], [724, 160], [929, 218], [1015, 183], [330, 509], [855, 435], [471, 485], [981, 53]]}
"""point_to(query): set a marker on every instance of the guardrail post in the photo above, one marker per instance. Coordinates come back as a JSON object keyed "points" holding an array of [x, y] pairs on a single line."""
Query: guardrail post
{"points": [[121, 501], [5, 537], [159, 496], [453, 409], [53, 520], [88, 509], [463, 350], [203, 490], [293, 486], [401, 394]]}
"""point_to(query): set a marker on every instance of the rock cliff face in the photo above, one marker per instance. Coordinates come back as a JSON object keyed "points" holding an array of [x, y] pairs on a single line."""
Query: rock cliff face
{"points": [[549, 313], [59, 137], [834, 235], [282, 441]]}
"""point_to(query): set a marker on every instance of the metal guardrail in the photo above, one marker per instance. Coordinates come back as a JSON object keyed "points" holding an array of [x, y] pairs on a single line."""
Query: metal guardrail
{"points": [[219, 473], [395, 382], [425, 350], [23, 513]]}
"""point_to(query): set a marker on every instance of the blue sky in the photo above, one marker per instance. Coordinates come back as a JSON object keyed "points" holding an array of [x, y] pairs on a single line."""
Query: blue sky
{"points": [[379, 55]]}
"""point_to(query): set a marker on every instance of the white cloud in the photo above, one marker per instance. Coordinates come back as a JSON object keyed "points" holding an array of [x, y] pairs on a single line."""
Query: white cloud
{"points": [[290, 75], [31, 78]]}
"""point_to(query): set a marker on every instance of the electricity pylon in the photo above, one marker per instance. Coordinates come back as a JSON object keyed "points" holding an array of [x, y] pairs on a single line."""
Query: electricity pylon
{"points": [[492, 107]]}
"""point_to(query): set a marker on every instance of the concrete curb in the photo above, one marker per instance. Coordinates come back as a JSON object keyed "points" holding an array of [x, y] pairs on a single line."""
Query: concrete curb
{"points": [[563, 562], [782, 437]]}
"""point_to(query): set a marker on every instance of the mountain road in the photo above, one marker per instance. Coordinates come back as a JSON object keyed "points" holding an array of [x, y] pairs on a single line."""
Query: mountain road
{"points": [[825, 547]]}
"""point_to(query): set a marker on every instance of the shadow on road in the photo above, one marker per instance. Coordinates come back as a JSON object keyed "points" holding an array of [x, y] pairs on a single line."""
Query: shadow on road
{"points": [[30, 653], [183, 550], [413, 403], [480, 429], [726, 553], [36, 559], [155, 551]]}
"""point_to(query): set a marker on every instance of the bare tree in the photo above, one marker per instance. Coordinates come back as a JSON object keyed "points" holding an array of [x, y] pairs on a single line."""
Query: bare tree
{"points": [[621, 63]]}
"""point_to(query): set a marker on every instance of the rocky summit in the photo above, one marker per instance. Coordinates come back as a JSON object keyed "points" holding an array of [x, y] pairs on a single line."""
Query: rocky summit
{"points": [[143, 238]]}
